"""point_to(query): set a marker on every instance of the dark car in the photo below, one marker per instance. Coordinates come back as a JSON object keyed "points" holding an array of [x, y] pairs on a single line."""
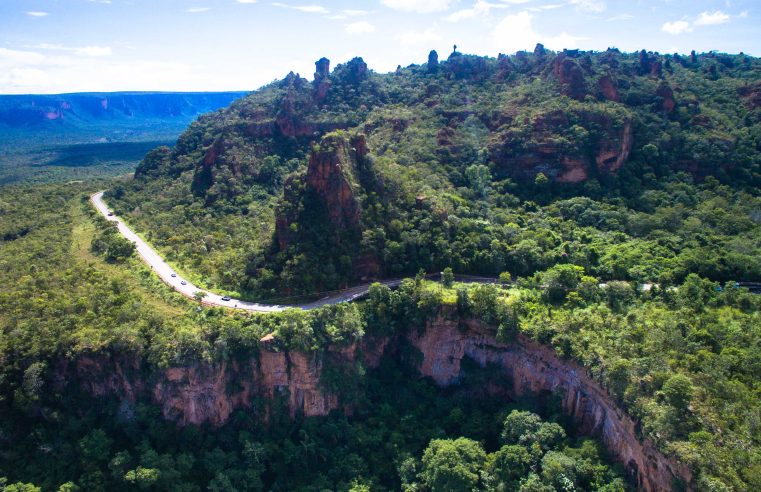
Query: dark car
{"points": [[110, 214], [183, 283], [174, 275], [226, 298]]}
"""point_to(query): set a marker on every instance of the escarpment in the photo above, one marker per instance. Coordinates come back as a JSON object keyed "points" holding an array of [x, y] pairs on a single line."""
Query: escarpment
{"points": [[324, 203], [210, 392]]}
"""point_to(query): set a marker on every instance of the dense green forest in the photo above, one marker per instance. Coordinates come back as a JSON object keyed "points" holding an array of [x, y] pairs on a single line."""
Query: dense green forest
{"points": [[615, 196], [636, 166], [683, 362]]}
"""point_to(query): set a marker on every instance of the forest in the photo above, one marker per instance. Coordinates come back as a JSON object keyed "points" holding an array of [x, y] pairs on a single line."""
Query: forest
{"points": [[614, 196]]}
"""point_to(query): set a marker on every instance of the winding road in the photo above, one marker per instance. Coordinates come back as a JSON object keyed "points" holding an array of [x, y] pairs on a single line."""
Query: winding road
{"points": [[186, 288]]}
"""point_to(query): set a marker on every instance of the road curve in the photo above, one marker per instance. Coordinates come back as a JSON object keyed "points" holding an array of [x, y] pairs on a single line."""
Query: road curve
{"points": [[186, 288]]}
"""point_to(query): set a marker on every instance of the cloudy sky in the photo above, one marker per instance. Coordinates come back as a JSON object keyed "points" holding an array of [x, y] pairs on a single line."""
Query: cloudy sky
{"points": [[50, 46]]}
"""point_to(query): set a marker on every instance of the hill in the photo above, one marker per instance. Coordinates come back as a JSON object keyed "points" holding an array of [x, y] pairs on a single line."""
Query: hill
{"points": [[75, 136], [617, 351], [305, 186]]}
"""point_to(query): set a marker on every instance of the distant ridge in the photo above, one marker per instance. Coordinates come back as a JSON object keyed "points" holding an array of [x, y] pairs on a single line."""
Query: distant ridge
{"points": [[51, 111]]}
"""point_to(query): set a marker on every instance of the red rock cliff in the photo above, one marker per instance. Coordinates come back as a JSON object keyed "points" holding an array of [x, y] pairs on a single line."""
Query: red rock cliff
{"points": [[534, 369], [210, 393]]}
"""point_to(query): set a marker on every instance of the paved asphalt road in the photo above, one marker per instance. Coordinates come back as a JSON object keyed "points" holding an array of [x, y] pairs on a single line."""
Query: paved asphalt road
{"points": [[174, 280]]}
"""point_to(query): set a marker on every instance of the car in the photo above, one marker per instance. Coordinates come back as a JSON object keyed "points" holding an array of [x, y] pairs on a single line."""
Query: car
{"points": [[174, 275], [110, 214], [183, 283], [226, 298]]}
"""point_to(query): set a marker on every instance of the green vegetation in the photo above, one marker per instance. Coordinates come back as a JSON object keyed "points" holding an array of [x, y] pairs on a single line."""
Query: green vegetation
{"points": [[477, 164], [630, 274]]}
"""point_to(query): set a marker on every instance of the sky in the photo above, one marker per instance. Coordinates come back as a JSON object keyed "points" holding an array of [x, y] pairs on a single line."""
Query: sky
{"points": [[56, 46]]}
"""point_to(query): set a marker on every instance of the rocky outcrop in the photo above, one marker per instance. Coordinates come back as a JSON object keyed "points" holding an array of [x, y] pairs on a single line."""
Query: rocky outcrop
{"points": [[534, 369], [575, 157], [330, 175], [608, 89], [751, 94], [321, 81], [611, 153], [329, 194], [210, 392], [666, 94], [570, 75], [330, 179]]}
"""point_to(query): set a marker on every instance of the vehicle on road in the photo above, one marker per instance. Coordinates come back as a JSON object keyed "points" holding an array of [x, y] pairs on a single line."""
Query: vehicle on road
{"points": [[226, 298], [183, 283], [110, 214], [174, 275]]}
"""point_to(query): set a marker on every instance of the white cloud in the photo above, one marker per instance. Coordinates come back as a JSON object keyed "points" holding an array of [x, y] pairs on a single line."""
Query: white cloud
{"points": [[355, 12], [595, 6], [197, 10], [515, 32], [37, 14], [247, 1], [361, 27], [310, 9], [480, 8], [711, 18], [345, 14], [704, 19], [620, 17], [418, 37], [93, 51], [77, 50], [676, 27], [9, 58], [419, 6]]}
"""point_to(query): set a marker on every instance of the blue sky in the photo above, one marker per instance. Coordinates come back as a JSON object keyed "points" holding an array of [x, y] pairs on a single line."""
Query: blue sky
{"points": [[50, 46]]}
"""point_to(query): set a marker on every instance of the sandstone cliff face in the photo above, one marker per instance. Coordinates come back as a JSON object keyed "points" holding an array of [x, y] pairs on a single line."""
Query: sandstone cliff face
{"points": [[210, 393], [571, 77], [332, 179], [533, 369], [604, 152]]}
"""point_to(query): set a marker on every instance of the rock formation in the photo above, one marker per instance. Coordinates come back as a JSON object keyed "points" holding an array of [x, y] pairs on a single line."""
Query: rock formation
{"points": [[534, 369], [667, 96], [751, 94], [321, 78], [608, 88], [570, 76], [210, 392], [433, 61], [332, 182], [603, 151]]}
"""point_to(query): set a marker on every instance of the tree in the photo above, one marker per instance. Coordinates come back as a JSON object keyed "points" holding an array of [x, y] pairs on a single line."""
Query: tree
{"points": [[447, 277], [143, 478], [199, 296], [453, 465], [559, 470], [505, 278], [484, 302], [678, 391], [618, 377], [619, 294], [510, 463], [479, 177], [560, 280], [520, 427]]}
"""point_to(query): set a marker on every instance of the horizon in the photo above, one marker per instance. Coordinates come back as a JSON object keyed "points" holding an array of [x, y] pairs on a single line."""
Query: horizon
{"points": [[311, 77], [96, 46]]}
